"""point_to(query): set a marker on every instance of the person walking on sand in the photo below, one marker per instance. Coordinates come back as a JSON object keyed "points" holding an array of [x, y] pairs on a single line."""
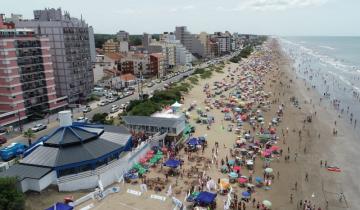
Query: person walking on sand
{"points": [[325, 164], [321, 163], [306, 177], [291, 198]]}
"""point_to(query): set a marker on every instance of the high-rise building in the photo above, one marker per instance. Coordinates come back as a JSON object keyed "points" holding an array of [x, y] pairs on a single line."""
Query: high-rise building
{"points": [[71, 48], [122, 36], [27, 88], [192, 42], [146, 39], [224, 40]]}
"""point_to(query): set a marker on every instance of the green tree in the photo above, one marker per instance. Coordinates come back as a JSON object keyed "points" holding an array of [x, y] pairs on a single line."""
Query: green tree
{"points": [[29, 134], [100, 118], [10, 196]]}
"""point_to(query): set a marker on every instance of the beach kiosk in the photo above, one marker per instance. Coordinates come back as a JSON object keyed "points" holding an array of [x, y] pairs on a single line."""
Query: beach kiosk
{"points": [[176, 106]]}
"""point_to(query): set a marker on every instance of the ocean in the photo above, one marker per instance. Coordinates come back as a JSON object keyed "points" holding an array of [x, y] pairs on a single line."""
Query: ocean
{"points": [[331, 65]]}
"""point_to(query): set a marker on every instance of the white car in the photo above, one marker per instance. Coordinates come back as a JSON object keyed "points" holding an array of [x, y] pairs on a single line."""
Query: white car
{"points": [[114, 108], [82, 119], [103, 103], [38, 127], [111, 99]]}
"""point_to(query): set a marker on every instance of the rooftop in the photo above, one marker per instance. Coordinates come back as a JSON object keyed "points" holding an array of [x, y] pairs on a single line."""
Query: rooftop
{"points": [[152, 121]]}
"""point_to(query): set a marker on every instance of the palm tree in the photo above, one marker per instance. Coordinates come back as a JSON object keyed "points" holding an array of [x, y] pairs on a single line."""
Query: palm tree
{"points": [[29, 134]]}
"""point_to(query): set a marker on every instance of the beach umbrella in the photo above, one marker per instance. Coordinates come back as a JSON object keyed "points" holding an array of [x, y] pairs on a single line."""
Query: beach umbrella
{"points": [[231, 162], [233, 175], [242, 180], [143, 160], [159, 152], [272, 130], [240, 141], [236, 168], [259, 179], [269, 170], [245, 194], [249, 162], [274, 148], [149, 156], [267, 203], [250, 185], [150, 152]]}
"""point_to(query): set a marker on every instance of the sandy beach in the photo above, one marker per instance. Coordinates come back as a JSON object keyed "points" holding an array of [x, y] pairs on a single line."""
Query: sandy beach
{"points": [[306, 143]]}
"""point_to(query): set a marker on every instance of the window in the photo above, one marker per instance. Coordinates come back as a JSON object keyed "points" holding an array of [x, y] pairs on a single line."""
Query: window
{"points": [[6, 62]]}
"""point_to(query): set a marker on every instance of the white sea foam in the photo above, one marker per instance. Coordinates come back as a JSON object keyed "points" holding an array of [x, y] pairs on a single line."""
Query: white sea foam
{"points": [[327, 47]]}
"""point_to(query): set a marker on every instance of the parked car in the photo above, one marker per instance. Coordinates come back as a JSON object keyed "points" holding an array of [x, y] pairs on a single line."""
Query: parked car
{"points": [[150, 84], [82, 119], [11, 151], [131, 88], [103, 103], [3, 140], [38, 127], [114, 108], [87, 109], [111, 99]]}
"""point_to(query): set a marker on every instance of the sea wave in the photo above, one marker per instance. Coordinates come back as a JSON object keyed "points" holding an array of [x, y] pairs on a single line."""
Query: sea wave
{"points": [[327, 47], [334, 62]]}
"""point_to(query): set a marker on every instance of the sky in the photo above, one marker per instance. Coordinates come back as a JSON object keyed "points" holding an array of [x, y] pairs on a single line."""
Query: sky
{"points": [[270, 17]]}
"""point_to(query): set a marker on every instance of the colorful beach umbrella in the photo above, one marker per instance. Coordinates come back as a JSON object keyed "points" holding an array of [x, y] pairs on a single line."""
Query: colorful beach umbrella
{"points": [[268, 170], [242, 180], [259, 179], [236, 168], [246, 194], [233, 175], [267, 203], [231, 162]]}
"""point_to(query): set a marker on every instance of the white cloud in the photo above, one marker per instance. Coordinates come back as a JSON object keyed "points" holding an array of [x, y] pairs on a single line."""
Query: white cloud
{"points": [[264, 5]]}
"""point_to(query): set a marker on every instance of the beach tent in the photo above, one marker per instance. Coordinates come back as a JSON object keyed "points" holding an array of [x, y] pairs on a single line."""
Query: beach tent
{"points": [[205, 197], [172, 163], [60, 206]]}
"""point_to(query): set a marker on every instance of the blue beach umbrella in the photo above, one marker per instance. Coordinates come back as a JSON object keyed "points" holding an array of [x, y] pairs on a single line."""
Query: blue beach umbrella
{"points": [[259, 179], [245, 194]]}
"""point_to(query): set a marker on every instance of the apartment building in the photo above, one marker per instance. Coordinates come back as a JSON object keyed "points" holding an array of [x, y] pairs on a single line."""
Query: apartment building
{"points": [[190, 41], [27, 87], [122, 36], [157, 64], [72, 51], [135, 63], [224, 40], [110, 46]]}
